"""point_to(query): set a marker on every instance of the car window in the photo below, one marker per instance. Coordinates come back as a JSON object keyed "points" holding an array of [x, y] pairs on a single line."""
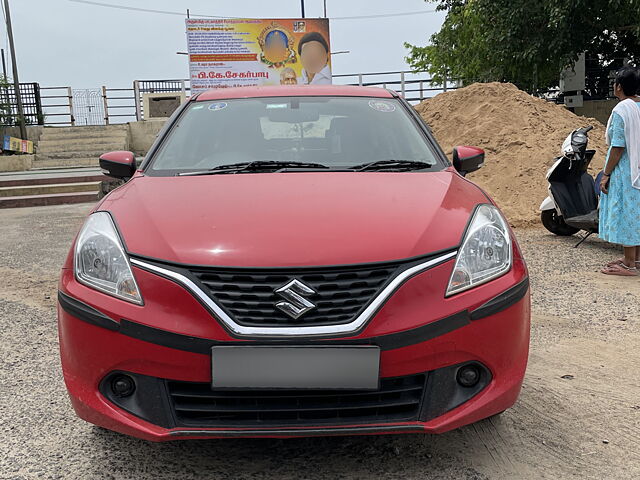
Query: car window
{"points": [[318, 129], [335, 131]]}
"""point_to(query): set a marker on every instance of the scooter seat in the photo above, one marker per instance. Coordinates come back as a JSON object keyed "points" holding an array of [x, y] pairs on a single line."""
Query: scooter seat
{"points": [[588, 222], [575, 197]]}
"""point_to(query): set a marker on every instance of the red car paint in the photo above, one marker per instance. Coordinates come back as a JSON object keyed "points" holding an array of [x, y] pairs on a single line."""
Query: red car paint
{"points": [[403, 213], [340, 218], [292, 91]]}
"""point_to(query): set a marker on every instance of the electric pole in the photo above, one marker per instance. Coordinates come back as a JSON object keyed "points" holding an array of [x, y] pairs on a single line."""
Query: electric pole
{"points": [[4, 65], [302, 6], [325, 8], [14, 64]]}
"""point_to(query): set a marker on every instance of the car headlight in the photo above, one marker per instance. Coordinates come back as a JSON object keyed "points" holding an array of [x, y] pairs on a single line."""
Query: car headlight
{"points": [[100, 261], [485, 252]]}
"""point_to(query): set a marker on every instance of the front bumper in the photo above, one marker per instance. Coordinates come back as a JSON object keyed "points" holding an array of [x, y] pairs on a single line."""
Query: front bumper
{"points": [[168, 341]]}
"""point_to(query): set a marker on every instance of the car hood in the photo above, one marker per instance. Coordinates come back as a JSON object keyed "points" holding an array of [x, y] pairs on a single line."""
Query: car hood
{"points": [[292, 219]]}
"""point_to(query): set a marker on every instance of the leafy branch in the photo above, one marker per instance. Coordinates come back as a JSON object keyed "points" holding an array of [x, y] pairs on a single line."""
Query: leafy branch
{"points": [[527, 42]]}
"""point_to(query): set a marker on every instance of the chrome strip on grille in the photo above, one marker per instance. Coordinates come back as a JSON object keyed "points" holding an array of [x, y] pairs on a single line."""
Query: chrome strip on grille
{"points": [[345, 328]]}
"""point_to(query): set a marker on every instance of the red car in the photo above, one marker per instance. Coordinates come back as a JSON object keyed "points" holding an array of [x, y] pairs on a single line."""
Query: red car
{"points": [[293, 261]]}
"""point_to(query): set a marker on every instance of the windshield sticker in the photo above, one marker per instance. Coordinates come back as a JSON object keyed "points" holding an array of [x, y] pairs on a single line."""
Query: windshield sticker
{"points": [[218, 106], [382, 106], [277, 105], [198, 107]]}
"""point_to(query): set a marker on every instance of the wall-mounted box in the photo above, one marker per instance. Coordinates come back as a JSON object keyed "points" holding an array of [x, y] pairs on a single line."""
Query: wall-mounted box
{"points": [[573, 101], [162, 104]]}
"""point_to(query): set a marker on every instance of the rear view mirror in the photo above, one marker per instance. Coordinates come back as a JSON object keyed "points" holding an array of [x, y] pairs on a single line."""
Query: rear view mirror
{"points": [[467, 159], [119, 164], [292, 115]]}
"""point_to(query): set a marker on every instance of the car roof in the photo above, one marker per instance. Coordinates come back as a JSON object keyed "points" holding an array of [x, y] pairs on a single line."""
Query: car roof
{"points": [[294, 91]]}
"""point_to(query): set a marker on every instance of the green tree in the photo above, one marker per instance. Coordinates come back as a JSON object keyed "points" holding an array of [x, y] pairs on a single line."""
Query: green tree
{"points": [[527, 42], [6, 119]]}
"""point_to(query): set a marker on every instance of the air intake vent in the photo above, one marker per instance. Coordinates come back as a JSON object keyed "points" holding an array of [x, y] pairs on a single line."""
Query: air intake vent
{"points": [[196, 405]]}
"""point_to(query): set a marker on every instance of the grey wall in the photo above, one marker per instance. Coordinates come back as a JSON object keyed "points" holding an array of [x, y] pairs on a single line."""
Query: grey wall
{"points": [[598, 109], [143, 134], [33, 132]]}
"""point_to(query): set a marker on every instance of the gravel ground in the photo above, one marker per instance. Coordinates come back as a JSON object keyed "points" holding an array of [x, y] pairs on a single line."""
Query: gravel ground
{"points": [[585, 426]]}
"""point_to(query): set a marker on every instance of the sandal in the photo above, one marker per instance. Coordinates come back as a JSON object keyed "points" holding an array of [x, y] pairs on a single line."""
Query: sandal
{"points": [[620, 270], [620, 261]]}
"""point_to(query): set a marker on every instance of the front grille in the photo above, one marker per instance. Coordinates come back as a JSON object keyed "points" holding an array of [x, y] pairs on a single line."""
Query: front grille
{"points": [[249, 297], [197, 405]]}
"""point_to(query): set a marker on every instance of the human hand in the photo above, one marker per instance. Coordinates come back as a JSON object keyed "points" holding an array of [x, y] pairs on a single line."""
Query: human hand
{"points": [[604, 184]]}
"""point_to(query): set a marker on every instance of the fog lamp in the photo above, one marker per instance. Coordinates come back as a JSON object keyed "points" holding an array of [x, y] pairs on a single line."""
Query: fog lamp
{"points": [[468, 376], [122, 385]]}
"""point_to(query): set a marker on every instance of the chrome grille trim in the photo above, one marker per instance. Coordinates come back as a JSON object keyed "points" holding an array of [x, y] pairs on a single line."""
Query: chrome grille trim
{"points": [[343, 329]]}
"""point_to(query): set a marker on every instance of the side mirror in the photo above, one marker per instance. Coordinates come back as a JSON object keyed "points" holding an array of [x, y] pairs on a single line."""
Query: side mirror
{"points": [[467, 159], [119, 164]]}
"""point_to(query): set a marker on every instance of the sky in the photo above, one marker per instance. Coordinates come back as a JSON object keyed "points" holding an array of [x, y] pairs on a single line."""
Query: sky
{"points": [[66, 43]]}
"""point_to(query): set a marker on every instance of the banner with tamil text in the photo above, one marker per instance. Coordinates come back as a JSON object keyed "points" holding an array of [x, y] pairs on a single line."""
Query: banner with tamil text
{"points": [[248, 52]]}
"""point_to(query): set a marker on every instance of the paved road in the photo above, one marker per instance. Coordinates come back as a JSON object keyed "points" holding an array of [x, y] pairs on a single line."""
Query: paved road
{"points": [[585, 325]]}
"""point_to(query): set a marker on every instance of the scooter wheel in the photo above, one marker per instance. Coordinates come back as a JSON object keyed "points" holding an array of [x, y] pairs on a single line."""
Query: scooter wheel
{"points": [[555, 224]]}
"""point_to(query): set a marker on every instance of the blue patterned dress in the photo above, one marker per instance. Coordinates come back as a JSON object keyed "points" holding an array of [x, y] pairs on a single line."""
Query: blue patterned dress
{"points": [[620, 208]]}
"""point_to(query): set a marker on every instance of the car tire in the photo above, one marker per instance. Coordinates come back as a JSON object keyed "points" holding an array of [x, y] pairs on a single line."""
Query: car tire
{"points": [[555, 223]]}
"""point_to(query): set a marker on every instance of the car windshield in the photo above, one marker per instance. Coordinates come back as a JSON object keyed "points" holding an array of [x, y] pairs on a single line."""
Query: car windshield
{"points": [[314, 132]]}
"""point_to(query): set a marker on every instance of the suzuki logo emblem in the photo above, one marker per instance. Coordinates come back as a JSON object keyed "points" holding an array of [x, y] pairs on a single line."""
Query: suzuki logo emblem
{"points": [[294, 293]]}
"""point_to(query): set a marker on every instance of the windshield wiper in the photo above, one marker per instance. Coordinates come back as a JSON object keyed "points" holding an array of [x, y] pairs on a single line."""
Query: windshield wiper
{"points": [[392, 165], [255, 166]]}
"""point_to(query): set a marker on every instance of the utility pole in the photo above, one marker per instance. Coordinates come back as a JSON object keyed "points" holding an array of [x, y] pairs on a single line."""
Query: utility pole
{"points": [[325, 8], [302, 6], [14, 64], [4, 65]]}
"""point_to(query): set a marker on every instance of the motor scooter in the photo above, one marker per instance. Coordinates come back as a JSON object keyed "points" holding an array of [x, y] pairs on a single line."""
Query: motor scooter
{"points": [[572, 204]]}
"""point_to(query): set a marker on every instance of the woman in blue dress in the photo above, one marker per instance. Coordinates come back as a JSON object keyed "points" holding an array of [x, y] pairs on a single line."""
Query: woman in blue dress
{"points": [[620, 185]]}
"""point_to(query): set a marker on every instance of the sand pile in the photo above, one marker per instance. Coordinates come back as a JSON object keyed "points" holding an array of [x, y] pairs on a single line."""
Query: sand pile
{"points": [[520, 134]]}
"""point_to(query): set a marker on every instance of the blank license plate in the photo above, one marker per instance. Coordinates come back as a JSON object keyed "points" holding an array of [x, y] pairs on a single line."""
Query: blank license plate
{"points": [[295, 367]]}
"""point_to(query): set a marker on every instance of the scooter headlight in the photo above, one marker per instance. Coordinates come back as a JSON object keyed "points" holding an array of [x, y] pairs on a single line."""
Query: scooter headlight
{"points": [[485, 253], [100, 261]]}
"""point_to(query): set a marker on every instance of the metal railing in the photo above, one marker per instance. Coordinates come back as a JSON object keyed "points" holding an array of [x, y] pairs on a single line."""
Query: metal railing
{"points": [[413, 86], [57, 105], [128, 104], [120, 105], [31, 104]]}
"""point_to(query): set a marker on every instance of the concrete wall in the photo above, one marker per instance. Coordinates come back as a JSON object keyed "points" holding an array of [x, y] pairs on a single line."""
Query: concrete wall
{"points": [[143, 134], [19, 162], [33, 132], [598, 109], [15, 163]]}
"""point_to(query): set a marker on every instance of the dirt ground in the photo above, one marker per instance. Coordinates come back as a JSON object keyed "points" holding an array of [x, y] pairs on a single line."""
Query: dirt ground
{"points": [[586, 328]]}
